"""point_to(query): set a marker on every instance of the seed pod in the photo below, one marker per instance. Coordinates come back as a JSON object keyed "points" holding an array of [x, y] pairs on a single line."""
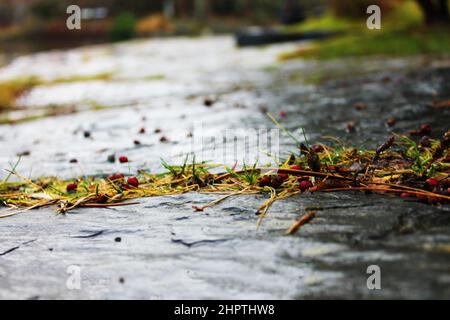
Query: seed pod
{"points": [[383, 147]]}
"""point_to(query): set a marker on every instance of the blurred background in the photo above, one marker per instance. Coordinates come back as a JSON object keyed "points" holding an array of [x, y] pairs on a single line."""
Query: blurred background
{"points": [[419, 26], [118, 20], [337, 27]]}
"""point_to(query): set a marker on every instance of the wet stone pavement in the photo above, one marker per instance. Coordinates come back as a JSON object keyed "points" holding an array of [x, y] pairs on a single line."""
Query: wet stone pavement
{"points": [[161, 249]]}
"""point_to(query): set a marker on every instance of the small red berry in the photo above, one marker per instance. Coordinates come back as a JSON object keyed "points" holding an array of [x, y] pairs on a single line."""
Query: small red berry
{"points": [[296, 167], [283, 176], [123, 159], [126, 186], [305, 184], [425, 129], [317, 148], [360, 106], [133, 181], [283, 114], [276, 181], [432, 182], [422, 198], [71, 187], [264, 181], [404, 195], [142, 130], [116, 176]]}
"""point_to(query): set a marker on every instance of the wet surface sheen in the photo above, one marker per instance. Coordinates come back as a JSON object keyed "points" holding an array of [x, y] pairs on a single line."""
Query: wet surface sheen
{"points": [[167, 251]]}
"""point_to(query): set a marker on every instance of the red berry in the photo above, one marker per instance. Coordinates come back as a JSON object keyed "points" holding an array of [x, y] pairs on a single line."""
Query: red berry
{"points": [[123, 159], [305, 184], [296, 167], [283, 114], [360, 106], [126, 186], [432, 182], [283, 176], [425, 129], [133, 181], [422, 198], [264, 181], [71, 187], [404, 195], [116, 176], [317, 148], [276, 181]]}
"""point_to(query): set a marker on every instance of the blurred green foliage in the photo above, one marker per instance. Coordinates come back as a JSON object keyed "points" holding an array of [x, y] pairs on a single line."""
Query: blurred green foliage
{"points": [[123, 27], [357, 8], [403, 33], [391, 44], [47, 9]]}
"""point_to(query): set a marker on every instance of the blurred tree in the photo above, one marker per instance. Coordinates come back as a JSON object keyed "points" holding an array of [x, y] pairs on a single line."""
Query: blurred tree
{"points": [[47, 9], [201, 8], [123, 26], [169, 9], [435, 11], [137, 7], [357, 8], [291, 12]]}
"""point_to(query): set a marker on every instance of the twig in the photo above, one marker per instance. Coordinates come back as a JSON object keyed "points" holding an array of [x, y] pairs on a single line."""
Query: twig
{"points": [[307, 217]]}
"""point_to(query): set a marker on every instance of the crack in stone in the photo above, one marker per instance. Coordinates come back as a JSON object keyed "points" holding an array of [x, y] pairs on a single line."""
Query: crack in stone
{"points": [[197, 243], [92, 235], [16, 247]]}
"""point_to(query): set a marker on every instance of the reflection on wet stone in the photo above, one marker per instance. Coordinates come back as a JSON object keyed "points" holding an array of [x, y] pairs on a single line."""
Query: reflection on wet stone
{"points": [[169, 251]]}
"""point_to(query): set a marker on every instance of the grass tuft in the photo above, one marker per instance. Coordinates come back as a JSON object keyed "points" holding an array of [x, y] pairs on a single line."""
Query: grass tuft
{"points": [[400, 166]]}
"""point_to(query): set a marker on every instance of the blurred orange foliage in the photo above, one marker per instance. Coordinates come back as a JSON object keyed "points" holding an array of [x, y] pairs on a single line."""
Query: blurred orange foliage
{"points": [[153, 24]]}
